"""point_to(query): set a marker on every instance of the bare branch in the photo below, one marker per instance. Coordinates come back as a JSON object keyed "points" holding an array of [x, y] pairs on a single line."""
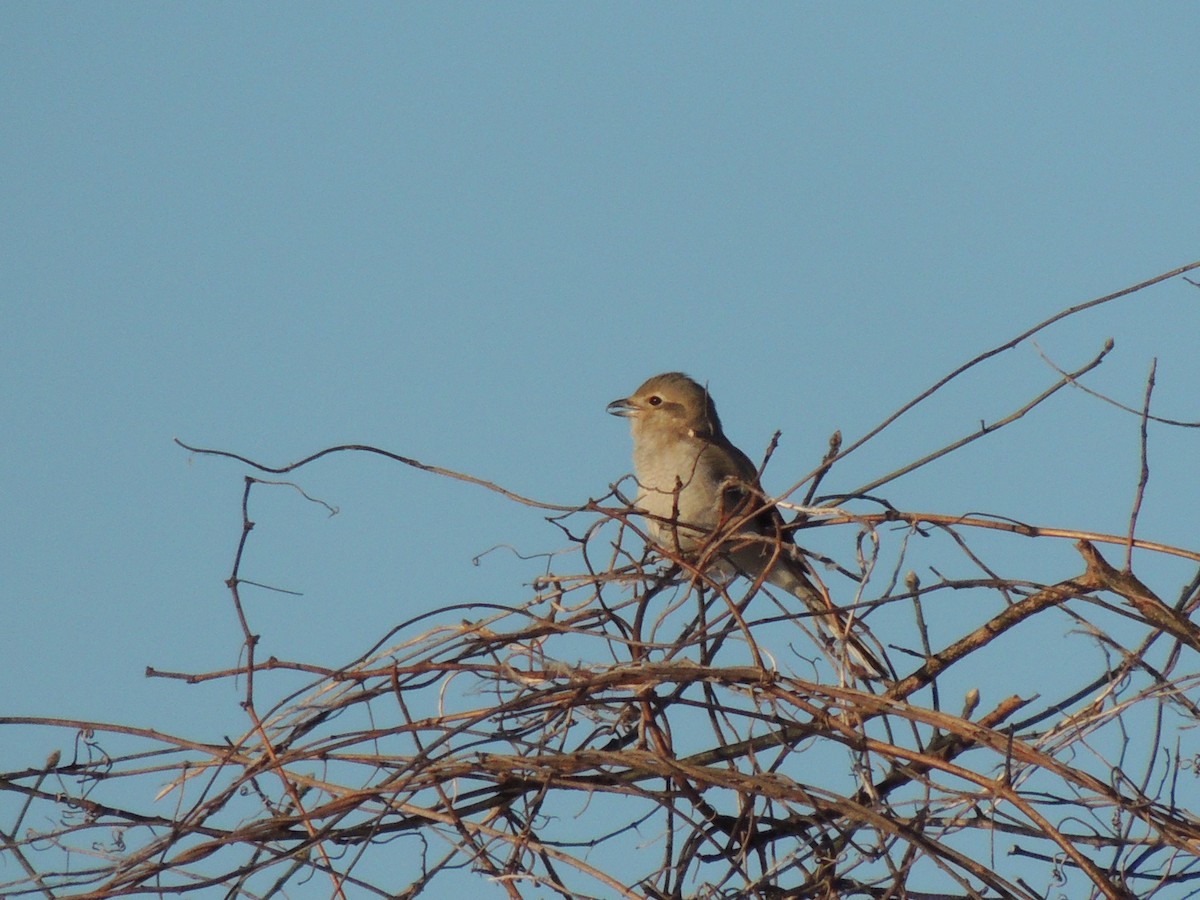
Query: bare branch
{"points": [[651, 724]]}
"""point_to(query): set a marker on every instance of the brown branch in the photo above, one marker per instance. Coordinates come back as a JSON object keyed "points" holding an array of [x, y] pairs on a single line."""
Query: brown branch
{"points": [[1002, 348], [612, 707], [1102, 576], [984, 429], [386, 454], [1109, 400], [1143, 469]]}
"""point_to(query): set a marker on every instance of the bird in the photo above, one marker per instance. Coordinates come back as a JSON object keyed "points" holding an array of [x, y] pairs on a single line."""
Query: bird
{"points": [[697, 489]]}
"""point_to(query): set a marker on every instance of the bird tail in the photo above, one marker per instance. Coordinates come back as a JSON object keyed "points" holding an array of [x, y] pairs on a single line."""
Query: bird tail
{"points": [[790, 575]]}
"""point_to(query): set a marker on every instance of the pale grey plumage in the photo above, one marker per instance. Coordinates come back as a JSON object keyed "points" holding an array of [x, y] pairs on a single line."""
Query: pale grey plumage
{"points": [[692, 481]]}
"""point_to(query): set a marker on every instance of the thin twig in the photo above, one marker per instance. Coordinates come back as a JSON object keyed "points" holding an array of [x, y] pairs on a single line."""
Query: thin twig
{"points": [[1143, 468]]}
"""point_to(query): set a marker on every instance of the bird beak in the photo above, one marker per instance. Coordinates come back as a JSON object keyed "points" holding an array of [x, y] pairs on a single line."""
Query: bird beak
{"points": [[623, 407]]}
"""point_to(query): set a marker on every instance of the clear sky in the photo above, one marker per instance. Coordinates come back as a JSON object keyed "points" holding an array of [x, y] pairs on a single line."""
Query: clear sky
{"points": [[457, 231]]}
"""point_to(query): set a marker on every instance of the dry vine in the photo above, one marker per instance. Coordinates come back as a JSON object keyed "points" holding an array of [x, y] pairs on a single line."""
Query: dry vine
{"points": [[633, 729]]}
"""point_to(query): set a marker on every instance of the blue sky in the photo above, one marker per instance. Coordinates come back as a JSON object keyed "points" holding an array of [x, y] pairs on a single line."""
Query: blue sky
{"points": [[457, 231]]}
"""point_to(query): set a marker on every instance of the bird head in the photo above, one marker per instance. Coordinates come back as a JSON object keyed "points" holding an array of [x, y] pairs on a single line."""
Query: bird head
{"points": [[670, 403]]}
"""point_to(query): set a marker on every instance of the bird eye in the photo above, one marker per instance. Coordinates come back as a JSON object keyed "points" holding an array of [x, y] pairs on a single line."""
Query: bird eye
{"points": [[655, 400]]}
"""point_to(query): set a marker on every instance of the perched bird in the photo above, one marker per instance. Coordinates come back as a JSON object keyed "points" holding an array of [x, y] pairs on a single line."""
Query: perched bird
{"points": [[693, 483]]}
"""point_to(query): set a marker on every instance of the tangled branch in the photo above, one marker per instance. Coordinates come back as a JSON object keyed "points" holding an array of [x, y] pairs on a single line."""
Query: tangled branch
{"points": [[631, 727]]}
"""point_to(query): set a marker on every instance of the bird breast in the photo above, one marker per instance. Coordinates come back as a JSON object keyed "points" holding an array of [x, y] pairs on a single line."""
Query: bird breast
{"points": [[677, 484]]}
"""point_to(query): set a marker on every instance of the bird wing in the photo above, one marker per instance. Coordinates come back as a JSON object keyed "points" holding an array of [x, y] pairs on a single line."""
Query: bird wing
{"points": [[742, 492]]}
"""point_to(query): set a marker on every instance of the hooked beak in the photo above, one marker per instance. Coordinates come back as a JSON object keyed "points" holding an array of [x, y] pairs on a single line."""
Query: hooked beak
{"points": [[623, 407]]}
